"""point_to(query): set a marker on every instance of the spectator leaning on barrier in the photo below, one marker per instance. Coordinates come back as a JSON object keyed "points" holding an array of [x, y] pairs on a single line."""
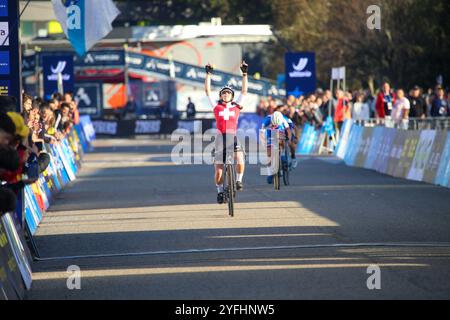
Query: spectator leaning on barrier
{"points": [[385, 102], [418, 105], [342, 109], [326, 100], [27, 105], [440, 104], [55, 105], [75, 114], [9, 161], [360, 109], [48, 119], [400, 111], [66, 118]]}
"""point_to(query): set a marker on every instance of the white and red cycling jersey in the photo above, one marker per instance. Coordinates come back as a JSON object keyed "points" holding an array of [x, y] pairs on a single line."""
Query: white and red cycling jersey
{"points": [[227, 115]]}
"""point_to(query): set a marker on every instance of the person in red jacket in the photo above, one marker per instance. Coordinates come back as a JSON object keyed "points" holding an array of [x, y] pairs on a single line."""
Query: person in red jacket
{"points": [[385, 101], [342, 109]]}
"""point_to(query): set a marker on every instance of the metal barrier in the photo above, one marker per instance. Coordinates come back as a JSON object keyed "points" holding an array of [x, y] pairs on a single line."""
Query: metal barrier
{"points": [[441, 123]]}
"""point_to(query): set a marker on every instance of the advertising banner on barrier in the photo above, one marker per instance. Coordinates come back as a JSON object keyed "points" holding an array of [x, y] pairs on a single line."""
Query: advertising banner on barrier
{"points": [[124, 128], [364, 147], [64, 164], [443, 173], [341, 147], [18, 250], [8, 266], [407, 156], [396, 151], [250, 123], [320, 138], [353, 143], [307, 140], [33, 215], [147, 127], [432, 165], [384, 150], [375, 142], [193, 126], [423, 153], [7, 291]]}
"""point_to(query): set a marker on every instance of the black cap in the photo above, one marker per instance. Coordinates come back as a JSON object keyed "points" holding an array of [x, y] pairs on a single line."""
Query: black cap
{"points": [[6, 124], [416, 87]]}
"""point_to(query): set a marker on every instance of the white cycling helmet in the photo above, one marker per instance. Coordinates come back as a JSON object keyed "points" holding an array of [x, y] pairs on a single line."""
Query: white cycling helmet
{"points": [[228, 88], [277, 119]]}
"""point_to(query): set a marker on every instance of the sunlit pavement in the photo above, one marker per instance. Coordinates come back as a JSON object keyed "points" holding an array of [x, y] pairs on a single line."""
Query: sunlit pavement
{"points": [[140, 227]]}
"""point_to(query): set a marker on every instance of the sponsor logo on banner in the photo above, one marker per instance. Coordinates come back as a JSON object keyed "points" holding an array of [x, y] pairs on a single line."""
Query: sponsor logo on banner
{"points": [[4, 34], [60, 67], [423, 152], [4, 87], [434, 160], [407, 156], [299, 69], [4, 63], [152, 98], [88, 98], [147, 126], [364, 146], [3, 8], [105, 127], [443, 174], [342, 146], [18, 250], [191, 126]]}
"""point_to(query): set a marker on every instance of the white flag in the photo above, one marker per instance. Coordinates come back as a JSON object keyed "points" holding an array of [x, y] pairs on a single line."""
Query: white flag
{"points": [[85, 22]]}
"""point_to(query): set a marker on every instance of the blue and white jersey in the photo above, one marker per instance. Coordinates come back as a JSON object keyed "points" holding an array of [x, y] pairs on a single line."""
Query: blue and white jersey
{"points": [[267, 124]]}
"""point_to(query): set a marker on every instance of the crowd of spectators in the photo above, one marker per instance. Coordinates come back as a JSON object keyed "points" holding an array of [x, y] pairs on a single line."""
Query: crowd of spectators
{"points": [[389, 106], [23, 136]]}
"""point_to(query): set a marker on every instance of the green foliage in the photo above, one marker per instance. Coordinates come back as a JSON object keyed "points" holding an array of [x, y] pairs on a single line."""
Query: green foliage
{"points": [[412, 46]]}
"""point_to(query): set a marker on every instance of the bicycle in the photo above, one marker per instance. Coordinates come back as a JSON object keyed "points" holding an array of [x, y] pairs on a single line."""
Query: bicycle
{"points": [[229, 184]]}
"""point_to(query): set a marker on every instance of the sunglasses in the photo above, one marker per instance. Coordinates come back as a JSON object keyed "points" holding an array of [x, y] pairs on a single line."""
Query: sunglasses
{"points": [[226, 91]]}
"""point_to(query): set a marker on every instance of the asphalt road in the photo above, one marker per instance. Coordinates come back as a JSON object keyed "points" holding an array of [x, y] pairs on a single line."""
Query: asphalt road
{"points": [[298, 243]]}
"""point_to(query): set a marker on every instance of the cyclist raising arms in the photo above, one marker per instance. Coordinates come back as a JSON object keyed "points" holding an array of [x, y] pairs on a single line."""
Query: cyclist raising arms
{"points": [[227, 112]]}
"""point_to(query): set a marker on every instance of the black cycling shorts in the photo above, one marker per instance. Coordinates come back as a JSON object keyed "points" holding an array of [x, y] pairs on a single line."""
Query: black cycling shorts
{"points": [[225, 144]]}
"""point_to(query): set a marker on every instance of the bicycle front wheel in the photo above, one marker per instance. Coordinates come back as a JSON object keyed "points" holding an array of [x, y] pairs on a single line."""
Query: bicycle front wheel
{"points": [[230, 190]]}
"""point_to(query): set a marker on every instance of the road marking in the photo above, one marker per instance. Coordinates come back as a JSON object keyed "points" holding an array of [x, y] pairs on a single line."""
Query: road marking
{"points": [[215, 250]]}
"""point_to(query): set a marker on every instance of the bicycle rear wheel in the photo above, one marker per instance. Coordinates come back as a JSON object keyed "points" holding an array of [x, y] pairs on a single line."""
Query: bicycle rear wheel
{"points": [[231, 193]]}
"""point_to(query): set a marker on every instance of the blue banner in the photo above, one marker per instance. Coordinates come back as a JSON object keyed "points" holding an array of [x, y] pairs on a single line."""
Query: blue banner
{"points": [[250, 122], [300, 73], [372, 155], [443, 173], [52, 65], [328, 126], [307, 140], [353, 145], [101, 58], [10, 68], [139, 63]]}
